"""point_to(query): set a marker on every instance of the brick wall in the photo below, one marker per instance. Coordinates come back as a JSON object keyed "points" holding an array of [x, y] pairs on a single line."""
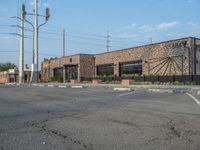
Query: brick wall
{"points": [[157, 59], [174, 57], [3, 77], [85, 64]]}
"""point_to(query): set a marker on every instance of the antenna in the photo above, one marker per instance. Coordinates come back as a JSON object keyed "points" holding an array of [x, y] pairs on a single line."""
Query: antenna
{"points": [[108, 41]]}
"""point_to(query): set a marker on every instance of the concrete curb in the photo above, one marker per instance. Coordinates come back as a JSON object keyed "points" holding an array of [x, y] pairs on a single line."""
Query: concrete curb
{"points": [[41, 85], [62, 86], [116, 87], [198, 92], [161, 90], [123, 89], [10, 84], [77, 87], [50, 86]]}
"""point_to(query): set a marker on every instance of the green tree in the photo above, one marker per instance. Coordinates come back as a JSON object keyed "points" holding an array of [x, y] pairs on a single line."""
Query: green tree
{"points": [[6, 66]]}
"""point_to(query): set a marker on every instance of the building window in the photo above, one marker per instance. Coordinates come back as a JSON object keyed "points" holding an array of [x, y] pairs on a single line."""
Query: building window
{"points": [[134, 67], [58, 72], [70, 60], [71, 72], [105, 70]]}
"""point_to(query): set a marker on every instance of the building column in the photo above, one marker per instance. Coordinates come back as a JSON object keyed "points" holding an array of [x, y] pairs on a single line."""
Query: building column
{"points": [[116, 69], [95, 71], [64, 72], [79, 73]]}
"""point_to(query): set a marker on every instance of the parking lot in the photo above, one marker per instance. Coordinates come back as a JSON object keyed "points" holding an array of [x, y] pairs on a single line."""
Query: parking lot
{"points": [[49, 118]]}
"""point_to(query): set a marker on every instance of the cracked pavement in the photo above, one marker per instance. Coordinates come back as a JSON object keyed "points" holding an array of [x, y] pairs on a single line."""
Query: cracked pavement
{"points": [[42, 118]]}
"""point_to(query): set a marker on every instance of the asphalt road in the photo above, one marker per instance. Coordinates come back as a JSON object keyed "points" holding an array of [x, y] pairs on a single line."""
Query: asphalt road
{"points": [[41, 118]]}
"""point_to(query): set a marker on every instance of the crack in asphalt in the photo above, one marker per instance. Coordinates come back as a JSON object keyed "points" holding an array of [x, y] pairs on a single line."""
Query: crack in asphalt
{"points": [[42, 126]]}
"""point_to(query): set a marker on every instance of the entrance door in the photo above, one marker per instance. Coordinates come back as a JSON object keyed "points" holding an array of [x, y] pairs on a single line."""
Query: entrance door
{"points": [[71, 72]]}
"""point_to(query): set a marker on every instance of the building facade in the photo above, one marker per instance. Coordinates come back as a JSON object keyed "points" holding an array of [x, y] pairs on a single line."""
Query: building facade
{"points": [[69, 68], [12, 75], [175, 57]]}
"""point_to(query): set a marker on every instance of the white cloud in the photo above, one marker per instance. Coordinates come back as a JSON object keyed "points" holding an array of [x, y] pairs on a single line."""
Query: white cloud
{"points": [[147, 28], [160, 31], [167, 25], [159, 27]]}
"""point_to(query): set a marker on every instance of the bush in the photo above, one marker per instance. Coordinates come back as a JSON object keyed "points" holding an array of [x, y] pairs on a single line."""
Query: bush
{"points": [[157, 83], [177, 83], [147, 83], [113, 82], [190, 83], [56, 79]]}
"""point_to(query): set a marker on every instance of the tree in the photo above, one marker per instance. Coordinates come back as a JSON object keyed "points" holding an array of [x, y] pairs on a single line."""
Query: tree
{"points": [[6, 66]]}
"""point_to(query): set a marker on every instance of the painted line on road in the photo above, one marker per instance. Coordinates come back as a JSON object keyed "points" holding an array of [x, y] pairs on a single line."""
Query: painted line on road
{"points": [[194, 98], [124, 94]]}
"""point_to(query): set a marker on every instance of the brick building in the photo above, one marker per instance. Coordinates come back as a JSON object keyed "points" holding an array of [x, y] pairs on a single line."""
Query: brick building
{"points": [[12, 76], [175, 57], [70, 67]]}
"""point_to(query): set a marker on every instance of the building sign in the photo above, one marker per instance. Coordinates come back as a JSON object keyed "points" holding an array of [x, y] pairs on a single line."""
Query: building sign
{"points": [[45, 65]]}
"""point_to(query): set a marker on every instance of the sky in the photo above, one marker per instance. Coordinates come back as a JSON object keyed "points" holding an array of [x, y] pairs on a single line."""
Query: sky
{"points": [[130, 23]]}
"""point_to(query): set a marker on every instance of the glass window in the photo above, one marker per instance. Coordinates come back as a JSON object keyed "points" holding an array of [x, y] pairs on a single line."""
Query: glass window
{"points": [[105, 70], [58, 72], [134, 67]]}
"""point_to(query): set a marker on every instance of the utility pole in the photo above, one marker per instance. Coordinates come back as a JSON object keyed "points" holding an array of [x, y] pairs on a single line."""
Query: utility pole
{"points": [[63, 46], [107, 41], [35, 65], [21, 63]]}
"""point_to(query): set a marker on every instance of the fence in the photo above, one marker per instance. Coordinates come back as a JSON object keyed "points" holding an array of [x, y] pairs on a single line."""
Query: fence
{"points": [[182, 78]]}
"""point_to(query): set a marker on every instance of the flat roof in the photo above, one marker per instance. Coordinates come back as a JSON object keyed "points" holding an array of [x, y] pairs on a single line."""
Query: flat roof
{"points": [[145, 45]]}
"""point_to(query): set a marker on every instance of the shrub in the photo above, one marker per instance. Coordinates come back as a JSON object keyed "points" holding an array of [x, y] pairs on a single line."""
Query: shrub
{"points": [[177, 83], [56, 79]]}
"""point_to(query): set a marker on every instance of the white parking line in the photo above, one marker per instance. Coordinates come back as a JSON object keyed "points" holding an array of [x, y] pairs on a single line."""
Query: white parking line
{"points": [[124, 94], [194, 98]]}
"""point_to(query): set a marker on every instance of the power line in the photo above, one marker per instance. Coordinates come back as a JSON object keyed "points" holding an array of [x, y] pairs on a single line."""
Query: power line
{"points": [[48, 54]]}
